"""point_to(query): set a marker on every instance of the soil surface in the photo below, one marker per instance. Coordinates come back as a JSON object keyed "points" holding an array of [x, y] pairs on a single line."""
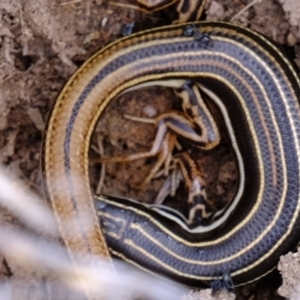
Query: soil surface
{"points": [[43, 42]]}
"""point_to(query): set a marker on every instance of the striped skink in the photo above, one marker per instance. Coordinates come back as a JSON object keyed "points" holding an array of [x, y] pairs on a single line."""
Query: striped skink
{"points": [[256, 90]]}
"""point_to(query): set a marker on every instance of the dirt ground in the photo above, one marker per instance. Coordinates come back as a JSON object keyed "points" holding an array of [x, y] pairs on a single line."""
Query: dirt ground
{"points": [[42, 42]]}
